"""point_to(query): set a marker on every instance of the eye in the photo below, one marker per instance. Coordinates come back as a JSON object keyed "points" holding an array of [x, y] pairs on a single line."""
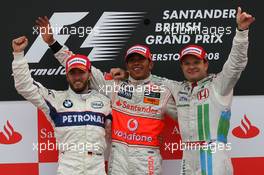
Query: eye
{"points": [[70, 72], [186, 63], [196, 62]]}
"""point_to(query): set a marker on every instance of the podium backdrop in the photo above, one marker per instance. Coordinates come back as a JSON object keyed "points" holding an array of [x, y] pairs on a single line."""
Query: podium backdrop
{"points": [[103, 30]]}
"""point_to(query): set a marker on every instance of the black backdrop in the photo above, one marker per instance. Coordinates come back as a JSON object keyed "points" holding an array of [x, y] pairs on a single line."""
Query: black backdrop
{"points": [[18, 18]]}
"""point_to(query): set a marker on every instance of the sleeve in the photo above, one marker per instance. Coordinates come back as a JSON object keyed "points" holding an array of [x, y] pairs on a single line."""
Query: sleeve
{"points": [[170, 108], [100, 83], [27, 87], [173, 88], [61, 53], [108, 121], [235, 64]]}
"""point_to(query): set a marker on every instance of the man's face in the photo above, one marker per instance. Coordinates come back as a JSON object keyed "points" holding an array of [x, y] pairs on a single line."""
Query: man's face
{"points": [[139, 67], [78, 79], [194, 69]]}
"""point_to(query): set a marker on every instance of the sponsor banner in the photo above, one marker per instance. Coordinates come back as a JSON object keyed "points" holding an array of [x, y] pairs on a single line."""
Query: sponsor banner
{"points": [[247, 126], [18, 132], [20, 169], [245, 135], [46, 140], [249, 165], [105, 34], [48, 168], [170, 147], [241, 167]]}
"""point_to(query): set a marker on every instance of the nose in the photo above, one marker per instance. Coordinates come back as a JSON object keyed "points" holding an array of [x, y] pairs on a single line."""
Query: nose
{"points": [[136, 62], [191, 66], [76, 75]]}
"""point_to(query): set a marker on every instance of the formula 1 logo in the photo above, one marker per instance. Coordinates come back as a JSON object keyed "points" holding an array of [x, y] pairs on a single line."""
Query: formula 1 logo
{"points": [[106, 37]]}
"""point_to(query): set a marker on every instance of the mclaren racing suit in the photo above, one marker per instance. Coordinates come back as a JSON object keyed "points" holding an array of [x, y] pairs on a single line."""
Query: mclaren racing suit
{"points": [[204, 114], [138, 108], [78, 120]]}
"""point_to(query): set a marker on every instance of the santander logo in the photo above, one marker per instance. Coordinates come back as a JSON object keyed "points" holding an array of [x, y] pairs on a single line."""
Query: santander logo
{"points": [[138, 108], [246, 129], [9, 136], [118, 103]]}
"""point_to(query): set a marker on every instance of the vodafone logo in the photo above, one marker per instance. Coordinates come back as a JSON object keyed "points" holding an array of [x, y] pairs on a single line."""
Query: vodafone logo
{"points": [[132, 124], [9, 136], [246, 129]]}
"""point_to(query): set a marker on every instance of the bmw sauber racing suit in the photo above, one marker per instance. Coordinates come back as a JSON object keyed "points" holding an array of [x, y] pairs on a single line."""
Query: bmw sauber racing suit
{"points": [[204, 114], [78, 120], [138, 108]]}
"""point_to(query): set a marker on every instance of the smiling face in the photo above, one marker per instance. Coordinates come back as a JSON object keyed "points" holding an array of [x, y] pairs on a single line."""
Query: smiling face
{"points": [[138, 66], [194, 69], [78, 79]]}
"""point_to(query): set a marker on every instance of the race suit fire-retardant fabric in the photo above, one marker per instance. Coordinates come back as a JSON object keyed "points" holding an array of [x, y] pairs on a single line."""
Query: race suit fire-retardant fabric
{"points": [[204, 114], [138, 108], [78, 119]]}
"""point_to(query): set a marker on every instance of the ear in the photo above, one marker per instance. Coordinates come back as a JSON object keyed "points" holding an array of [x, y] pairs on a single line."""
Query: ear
{"points": [[89, 75], [180, 62], [206, 65], [67, 78], [151, 65]]}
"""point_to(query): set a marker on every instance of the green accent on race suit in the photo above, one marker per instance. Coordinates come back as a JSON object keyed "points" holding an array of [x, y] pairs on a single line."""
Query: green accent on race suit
{"points": [[206, 122], [200, 123], [203, 122]]}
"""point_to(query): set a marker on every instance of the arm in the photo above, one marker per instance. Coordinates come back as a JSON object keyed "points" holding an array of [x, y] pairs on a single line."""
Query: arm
{"points": [[24, 84], [174, 87], [108, 123], [237, 60], [62, 53], [170, 108]]}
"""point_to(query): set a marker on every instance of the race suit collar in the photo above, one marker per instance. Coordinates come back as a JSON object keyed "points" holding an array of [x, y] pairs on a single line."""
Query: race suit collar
{"points": [[145, 81], [81, 96], [200, 82]]}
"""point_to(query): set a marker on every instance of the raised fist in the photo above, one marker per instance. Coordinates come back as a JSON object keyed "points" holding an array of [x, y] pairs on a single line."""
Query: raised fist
{"points": [[244, 20], [19, 44]]}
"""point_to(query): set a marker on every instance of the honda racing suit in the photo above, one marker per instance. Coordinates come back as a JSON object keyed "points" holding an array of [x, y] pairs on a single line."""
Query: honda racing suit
{"points": [[204, 114], [78, 120], [138, 108]]}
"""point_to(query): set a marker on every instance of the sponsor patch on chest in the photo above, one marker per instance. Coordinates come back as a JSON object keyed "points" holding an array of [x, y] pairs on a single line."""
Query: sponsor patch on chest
{"points": [[97, 104], [153, 101], [203, 94]]}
